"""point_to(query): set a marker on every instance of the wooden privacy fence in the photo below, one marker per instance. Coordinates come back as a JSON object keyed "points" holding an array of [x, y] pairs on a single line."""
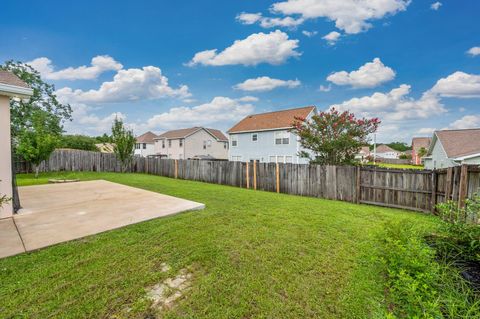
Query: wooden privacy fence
{"points": [[418, 190]]}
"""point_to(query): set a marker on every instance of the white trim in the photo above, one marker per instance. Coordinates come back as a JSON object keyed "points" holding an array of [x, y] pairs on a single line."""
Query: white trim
{"points": [[461, 158], [262, 130], [15, 91]]}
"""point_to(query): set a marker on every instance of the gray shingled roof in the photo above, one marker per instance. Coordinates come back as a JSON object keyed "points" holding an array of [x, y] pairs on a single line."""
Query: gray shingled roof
{"points": [[11, 79]]}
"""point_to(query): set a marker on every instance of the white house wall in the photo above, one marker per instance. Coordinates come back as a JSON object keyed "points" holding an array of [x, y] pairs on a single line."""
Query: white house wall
{"points": [[194, 146], [265, 147], [439, 158], [5, 156], [150, 150]]}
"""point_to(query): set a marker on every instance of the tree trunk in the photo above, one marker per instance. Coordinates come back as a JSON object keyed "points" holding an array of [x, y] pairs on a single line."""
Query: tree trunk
{"points": [[37, 169]]}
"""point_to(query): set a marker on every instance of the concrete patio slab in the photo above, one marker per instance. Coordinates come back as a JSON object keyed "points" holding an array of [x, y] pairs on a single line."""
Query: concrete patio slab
{"points": [[56, 213], [10, 242]]}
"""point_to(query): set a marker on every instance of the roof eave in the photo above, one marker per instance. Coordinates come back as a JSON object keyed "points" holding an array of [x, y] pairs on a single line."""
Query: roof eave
{"points": [[261, 130], [15, 91]]}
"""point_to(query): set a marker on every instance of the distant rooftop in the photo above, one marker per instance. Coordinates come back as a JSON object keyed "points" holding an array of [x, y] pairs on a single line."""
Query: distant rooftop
{"points": [[271, 120]]}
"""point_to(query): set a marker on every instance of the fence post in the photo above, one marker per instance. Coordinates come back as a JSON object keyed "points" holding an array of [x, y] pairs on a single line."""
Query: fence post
{"points": [[434, 191], [176, 168], [358, 186], [247, 175], [255, 174], [462, 192], [277, 177], [448, 183]]}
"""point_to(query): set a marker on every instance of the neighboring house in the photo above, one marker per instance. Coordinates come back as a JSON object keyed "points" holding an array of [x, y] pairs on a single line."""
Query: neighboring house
{"points": [[417, 144], [10, 87], [363, 154], [452, 148], [266, 137], [384, 151], [105, 147], [195, 142], [145, 144]]}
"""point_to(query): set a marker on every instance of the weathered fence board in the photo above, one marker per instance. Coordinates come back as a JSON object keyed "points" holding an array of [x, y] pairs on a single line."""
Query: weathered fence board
{"points": [[418, 190]]}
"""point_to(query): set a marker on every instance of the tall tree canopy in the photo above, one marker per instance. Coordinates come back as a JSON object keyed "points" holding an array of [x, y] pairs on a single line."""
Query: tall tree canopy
{"points": [[124, 143], [333, 137], [36, 142], [43, 99]]}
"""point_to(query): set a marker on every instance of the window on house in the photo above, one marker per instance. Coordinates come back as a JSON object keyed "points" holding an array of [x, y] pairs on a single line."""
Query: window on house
{"points": [[236, 158], [234, 140], [288, 159], [180, 142], [144, 146], [225, 145], [282, 137], [169, 143], [273, 159], [204, 145], [254, 137], [163, 143]]}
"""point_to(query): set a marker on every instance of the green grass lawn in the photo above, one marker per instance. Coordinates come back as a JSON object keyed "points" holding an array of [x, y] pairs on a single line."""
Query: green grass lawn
{"points": [[399, 166], [253, 254]]}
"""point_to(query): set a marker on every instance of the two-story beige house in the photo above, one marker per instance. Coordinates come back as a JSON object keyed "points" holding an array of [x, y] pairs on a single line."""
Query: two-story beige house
{"points": [[195, 142]]}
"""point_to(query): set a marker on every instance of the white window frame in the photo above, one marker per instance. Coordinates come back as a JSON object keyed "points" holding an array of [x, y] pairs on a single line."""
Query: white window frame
{"points": [[282, 135], [254, 135], [234, 140]]}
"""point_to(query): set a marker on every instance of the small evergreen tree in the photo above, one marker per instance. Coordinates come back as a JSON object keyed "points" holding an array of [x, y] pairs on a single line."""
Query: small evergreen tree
{"points": [[124, 143], [37, 141]]}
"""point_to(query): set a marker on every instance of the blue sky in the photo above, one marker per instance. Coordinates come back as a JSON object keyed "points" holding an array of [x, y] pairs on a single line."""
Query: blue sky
{"points": [[415, 64]]}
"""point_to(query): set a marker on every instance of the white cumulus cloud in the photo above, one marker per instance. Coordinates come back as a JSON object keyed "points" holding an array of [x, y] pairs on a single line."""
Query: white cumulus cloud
{"points": [[468, 121], [351, 16], [458, 84], [435, 6], [309, 33], [99, 64], [474, 51], [127, 85], [395, 105], [265, 83], [332, 37], [220, 110], [273, 48], [267, 22], [369, 75]]}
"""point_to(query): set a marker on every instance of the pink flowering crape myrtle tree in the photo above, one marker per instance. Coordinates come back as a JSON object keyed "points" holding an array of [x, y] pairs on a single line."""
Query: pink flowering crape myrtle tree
{"points": [[333, 137]]}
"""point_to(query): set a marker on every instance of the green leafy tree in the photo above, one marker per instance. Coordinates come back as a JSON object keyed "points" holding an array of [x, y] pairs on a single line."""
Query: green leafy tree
{"points": [[43, 99], [333, 137], [103, 139], [78, 142], [124, 143], [399, 146], [422, 152], [36, 141]]}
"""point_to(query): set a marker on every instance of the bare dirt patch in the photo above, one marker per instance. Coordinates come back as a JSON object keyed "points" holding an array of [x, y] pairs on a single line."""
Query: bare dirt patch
{"points": [[163, 295]]}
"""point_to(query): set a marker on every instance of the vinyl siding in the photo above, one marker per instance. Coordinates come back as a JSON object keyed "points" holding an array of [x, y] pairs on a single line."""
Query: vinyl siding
{"points": [[264, 147]]}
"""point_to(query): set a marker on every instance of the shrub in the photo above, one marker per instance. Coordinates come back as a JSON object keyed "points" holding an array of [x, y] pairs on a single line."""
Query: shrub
{"points": [[418, 284], [461, 239]]}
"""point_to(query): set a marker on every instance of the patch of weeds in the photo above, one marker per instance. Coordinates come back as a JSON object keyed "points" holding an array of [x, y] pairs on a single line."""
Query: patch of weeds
{"points": [[418, 285]]}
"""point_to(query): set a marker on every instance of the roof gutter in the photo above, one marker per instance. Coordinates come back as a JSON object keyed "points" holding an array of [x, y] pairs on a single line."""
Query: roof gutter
{"points": [[15, 91]]}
